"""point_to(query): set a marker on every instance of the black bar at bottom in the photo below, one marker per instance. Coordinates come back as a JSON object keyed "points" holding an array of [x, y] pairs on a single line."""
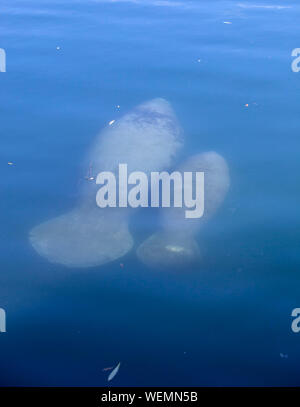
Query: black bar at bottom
{"points": [[134, 396]]}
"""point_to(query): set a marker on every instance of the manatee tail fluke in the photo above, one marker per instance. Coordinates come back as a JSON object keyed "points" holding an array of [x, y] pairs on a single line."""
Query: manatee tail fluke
{"points": [[162, 250], [82, 238]]}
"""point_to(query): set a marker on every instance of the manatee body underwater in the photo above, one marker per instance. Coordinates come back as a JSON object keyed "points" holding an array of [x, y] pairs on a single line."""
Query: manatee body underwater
{"points": [[147, 139], [175, 245]]}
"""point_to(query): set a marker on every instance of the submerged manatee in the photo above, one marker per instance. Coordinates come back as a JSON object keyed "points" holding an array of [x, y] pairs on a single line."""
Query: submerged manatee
{"points": [[175, 244], [146, 139]]}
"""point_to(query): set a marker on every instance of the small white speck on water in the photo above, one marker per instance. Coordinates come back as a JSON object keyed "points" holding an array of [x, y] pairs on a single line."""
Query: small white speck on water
{"points": [[58, 48], [111, 122], [227, 22]]}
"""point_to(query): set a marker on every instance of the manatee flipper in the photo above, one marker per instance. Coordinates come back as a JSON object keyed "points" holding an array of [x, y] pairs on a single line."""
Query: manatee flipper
{"points": [[175, 245]]}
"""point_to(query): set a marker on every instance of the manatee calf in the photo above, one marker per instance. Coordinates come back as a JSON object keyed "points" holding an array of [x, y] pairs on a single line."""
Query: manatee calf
{"points": [[175, 244], [146, 139]]}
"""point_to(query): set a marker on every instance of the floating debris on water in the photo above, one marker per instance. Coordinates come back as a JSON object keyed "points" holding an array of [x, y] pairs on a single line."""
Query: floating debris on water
{"points": [[118, 106], [252, 103], [10, 163], [58, 48], [114, 372], [111, 122], [198, 60], [90, 176], [227, 22]]}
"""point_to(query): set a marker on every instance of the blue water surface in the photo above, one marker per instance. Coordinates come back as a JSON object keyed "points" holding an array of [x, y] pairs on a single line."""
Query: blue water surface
{"points": [[223, 322]]}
